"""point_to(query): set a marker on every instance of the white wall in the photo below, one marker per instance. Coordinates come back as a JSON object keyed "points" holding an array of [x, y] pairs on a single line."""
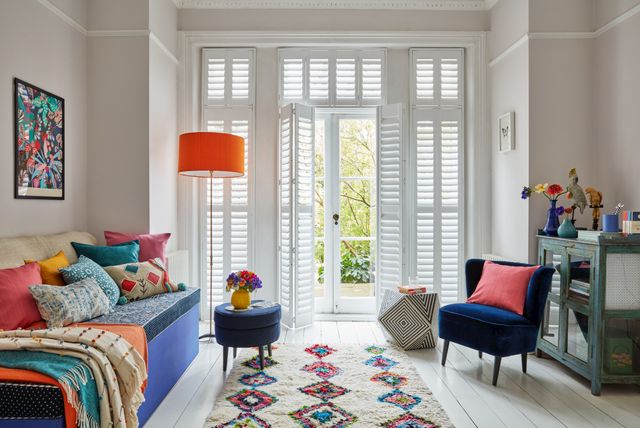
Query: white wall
{"points": [[38, 47], [617, 114]]}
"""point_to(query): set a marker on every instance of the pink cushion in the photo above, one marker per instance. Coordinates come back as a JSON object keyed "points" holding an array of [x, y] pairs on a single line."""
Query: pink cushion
{"points": [[503, 286], [152, 246], [17, 306]]}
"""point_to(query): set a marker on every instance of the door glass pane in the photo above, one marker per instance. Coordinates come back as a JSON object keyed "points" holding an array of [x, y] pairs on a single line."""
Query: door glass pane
{"points": [[320, 207], [579, 279], [577, 335], [550, 325], [554, 260], [357, 207], [622, 346]]}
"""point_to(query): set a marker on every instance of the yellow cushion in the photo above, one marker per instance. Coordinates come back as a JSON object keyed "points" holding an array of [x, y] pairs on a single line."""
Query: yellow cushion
{"points": [[49, 268]]}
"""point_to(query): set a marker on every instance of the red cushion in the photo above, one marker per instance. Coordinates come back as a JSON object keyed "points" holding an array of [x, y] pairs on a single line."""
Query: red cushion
{"points": [[503, 286], [152, 246], [17, 306]]}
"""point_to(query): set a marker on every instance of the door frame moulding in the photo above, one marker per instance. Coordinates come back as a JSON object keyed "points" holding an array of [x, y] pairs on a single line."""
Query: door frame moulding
{"points": [[476, 121]]}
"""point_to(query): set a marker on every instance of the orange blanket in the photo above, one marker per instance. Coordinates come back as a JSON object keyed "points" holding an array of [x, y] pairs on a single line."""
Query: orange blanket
{"points": [[133, 334]]}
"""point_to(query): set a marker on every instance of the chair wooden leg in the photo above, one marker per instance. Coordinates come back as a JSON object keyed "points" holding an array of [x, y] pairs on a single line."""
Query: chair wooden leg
{"points": [[225, 357], [261, 354], [479, 354], [270, 350], [496, 370], [524, 362], [445, 349]]}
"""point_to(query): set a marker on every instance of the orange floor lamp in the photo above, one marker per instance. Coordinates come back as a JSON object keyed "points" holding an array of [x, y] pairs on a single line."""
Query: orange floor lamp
{"points": [[211, 155]]}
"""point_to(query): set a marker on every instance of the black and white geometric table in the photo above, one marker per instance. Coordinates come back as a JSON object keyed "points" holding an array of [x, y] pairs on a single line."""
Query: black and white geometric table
{"points": [[409, 319]]}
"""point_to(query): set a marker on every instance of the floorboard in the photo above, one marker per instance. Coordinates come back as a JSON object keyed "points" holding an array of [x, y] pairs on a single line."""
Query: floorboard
{"points": [[549, 395]]}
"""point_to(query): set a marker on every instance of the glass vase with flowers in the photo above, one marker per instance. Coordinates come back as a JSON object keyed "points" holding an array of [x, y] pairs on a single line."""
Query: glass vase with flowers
{"points": [[552, 193]]}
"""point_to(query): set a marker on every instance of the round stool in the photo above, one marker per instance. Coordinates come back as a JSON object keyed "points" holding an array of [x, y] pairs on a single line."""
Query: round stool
{"points": [[258, 326]]}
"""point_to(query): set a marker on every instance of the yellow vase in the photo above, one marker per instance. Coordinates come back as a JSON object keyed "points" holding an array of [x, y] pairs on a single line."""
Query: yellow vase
{"points": [[241, 299]]}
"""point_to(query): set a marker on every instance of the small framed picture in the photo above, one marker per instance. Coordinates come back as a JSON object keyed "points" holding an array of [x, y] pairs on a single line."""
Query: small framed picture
{"points": [[39, 142], [507, 135]]}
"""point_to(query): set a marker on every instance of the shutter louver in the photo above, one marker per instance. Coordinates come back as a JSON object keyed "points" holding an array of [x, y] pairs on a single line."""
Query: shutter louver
{"points": [[346, 81], [228, 77], [215, 81], [424, 81], [425, 200], [371, 72], [319, 80], [437, 77], [296, 207], [449, 80], [240, 79], [389, 267], [292, 76]]}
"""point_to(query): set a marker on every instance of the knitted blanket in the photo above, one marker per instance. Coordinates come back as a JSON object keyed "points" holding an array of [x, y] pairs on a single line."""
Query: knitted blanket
{"points": [[116, 367]]}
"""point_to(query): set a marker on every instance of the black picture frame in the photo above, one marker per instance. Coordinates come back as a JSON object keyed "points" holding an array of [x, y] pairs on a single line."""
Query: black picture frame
{"points": [[20, 190]]}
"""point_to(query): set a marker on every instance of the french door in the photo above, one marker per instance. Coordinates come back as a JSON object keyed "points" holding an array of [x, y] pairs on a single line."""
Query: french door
{"points": [[345, 182]]}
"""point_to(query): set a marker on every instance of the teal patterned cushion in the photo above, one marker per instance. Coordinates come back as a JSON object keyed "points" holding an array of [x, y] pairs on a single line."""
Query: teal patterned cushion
{"points": [[77, 302], [87, 268]]}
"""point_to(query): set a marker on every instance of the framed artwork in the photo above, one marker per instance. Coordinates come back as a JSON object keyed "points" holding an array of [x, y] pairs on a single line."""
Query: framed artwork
{"points": [[507, 135], [39, 142]]}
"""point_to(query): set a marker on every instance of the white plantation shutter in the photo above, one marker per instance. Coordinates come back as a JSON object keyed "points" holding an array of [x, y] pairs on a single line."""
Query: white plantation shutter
{"points": [[437, 152], [228, 77], [390, 130], [228, 88], [332, 77], [296, 207]]}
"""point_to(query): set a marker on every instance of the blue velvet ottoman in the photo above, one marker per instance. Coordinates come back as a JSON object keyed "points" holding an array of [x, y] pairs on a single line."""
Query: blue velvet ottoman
{"points": [[259, 326]]}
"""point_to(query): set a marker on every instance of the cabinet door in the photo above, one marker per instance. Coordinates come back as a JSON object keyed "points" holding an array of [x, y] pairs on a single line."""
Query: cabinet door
{"points": [[555, 257], [580, 279]]}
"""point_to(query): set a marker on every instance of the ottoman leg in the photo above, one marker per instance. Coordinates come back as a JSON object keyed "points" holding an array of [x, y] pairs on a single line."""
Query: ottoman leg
{"points": [[445, 350], [235, 351], [225, 356], [270, 350], [261, 354]]}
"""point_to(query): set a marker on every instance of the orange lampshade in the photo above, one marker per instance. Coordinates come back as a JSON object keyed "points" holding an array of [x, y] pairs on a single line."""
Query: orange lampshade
{"points": [[211, 154]]}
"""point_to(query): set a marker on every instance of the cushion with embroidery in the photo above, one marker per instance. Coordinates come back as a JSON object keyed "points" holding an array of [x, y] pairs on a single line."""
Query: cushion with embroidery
{"points": [[144, 279], [76, 302], [87, 268]]}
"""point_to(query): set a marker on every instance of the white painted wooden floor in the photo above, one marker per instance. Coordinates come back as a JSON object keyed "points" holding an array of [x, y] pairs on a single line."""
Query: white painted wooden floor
{"points": [[547, 396]]}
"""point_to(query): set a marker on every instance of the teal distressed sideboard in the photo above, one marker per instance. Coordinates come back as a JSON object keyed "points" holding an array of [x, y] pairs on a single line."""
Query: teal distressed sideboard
{"points": [[592, 317]]}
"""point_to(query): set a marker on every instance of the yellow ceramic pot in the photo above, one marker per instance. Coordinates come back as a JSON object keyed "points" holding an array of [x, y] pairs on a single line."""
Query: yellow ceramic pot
{"points": [[241, 299]]}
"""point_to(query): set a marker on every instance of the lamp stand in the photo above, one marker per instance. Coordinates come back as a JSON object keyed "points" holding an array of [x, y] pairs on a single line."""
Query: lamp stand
{"points": [[210, 215]]}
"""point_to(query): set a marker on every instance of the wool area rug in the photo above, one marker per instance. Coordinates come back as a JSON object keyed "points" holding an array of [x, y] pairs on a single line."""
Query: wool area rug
{"points": [[323, 386]]}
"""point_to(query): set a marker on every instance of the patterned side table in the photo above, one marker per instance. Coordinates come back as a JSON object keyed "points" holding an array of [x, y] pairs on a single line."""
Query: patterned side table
{"points": [[409, 318]]}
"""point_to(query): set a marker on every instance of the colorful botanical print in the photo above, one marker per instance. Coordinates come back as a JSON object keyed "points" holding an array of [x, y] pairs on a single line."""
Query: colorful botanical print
{"points": [[250, 400], [257, 379], [323, 415], [322, 369], [324, 390], [390, 379], [254, 362], [245, 420], [320, 350], [400, 399], [375, 350], [408, 420], [39, 142], [380, 362]]}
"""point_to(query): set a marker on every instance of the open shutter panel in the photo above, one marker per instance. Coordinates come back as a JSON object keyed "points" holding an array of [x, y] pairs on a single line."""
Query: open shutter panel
{"points": [[285, 232], [389, 196], [438, 169], [304, 220]]}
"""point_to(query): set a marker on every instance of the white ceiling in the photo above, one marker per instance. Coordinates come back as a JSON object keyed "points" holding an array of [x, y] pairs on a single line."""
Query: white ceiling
{"points": [[338, 4]]}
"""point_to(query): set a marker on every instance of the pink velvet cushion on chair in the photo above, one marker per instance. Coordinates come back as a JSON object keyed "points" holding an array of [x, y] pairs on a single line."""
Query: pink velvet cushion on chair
{"points": [[152, 246], [17, 307], [503, 286]]}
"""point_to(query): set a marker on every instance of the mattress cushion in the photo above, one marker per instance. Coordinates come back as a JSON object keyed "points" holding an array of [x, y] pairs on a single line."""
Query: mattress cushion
{"points": [[155, 313]]}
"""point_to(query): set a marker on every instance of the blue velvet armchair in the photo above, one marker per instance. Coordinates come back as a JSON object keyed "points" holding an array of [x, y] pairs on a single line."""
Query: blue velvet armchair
{"points": [[492, 330]]}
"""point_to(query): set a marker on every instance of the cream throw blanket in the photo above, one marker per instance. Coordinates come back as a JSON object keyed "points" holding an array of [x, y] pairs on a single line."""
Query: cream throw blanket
{"points": [[118, 369]]}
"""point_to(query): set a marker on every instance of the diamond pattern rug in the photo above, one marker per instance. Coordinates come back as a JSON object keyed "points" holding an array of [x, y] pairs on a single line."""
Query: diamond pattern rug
{"points": [[321, 386]]}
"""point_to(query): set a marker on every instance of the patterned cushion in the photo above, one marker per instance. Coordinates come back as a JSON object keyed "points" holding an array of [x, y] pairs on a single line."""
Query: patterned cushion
{"points": [[77, 302], [141, 280], [86, 268]]}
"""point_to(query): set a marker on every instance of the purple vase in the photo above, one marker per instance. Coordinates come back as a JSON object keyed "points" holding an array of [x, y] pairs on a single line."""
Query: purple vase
{"points": [[553, 222]]}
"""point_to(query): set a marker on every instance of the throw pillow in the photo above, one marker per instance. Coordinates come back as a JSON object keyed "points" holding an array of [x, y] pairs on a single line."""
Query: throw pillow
{"points": [[76, 302], [17, 307], [126, 252], [152, 246], [87, 268], [49, 268], [141, 280], [503, 286]]}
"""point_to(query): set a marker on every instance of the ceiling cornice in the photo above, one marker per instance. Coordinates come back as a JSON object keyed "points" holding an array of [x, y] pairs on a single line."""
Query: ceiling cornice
{"points": [[462, 5]]}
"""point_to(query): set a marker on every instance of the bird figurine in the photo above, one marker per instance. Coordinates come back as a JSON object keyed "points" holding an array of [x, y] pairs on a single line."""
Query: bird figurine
{"points": [[575, 191], [595, 203]]}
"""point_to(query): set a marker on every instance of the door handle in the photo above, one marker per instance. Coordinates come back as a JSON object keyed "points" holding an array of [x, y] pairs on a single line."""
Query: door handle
{"points": [[336, 217]]}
